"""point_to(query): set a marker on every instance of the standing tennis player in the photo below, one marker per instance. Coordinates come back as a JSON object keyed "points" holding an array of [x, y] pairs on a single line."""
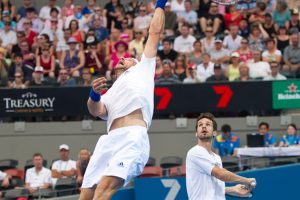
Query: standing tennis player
{"points": [[205, 176], [128, 108]]}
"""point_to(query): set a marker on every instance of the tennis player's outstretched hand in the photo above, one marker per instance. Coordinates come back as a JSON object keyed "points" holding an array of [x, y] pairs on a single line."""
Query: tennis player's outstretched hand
{"points": [[99, 84], [240, 191]]}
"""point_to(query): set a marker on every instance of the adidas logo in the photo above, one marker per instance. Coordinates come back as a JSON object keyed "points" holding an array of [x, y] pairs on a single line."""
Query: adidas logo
{"points": [[121, 164]]}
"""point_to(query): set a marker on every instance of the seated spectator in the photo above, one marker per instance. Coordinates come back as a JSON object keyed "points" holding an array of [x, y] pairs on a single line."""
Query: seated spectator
{"points": [[281, 15], [167, 52], [244, 29], [132, 7], [218, 75], [232, 41], [126, 30], [18, 65], [257, 37], [64, 167], [89, 8], [226, 143], [291, 137], [5, 178], [16, 48], [219, 54], [191, 75], [246, 54], [82, 163], [270, 140], [29, 34], [291, 56], [170, 20], [28, 55], [269, 26], [247, 7], [119, 17], [37, 177], [62, 45], [42, 41], [115, 36], [38, 77], [167, 77], [68, 9], [206, 68], [86, 78], [45, 10], [94, 61], [188, 16], [9, 7], [72, 60], [55, 34], [64, 80], [47, 61], [259, 13], [282, 39], [258, 69], [180, 67], [54, 13], [233, 72], [101, 32], [208, 42], [4, 68], [184, 42], [142, 21], [6, 17], [18, 82], [272, 53], [196, 56], [233, 16], [21, 12], [244, 72], [136, 46], [213, 19], [274, 75], [36, 23], [8, 36], [121, 52], [295, 21], [76, 32], [177, 6]]}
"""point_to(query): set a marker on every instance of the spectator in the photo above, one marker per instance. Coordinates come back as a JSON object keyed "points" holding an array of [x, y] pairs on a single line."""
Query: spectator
{"points": [[101, 32], [259, 14], [37, 177], [75, 31], [126, 31], [291, 55], [177, 6], [132, 7], [244, 72], [142, 21], [167, 77], [47, 61], [295, 21], [291, 137], [233, 72], [18, 82], [42, 41], [188, 16], [136, 46], [72, 60], [206, 68], [170, 20], [270, 140], [281, 15], [19, 66], [203, 8], [167, 52], [226, 143], [94, 61], [110, 10], [68, 9], [89, 8], [269, 26], [213, 19], [64, 80], [8, 36], [232, 17], [246, 54], [272, 53], [82, 20], [244, 30], [275, 75], [282, 39], [38, 77], [180, 67], [86, 78], [55, 34], [29, 34], [82, 163], [218, 75], [258, 69], [191, 74], [119, 16], [62, 45], [5, 178], [257, 37], [54, 15], [7, 6], [184, 42], [158, 67], [247, 7], [232, 41], [64, 167], [196, 56], [6, 17], [121, 52], [28, 55], [36, 23], [17, 47], [110, 43], [4, 68], [151, 7], [21, 12], [208, 41], [220, 55], [45, 10]]}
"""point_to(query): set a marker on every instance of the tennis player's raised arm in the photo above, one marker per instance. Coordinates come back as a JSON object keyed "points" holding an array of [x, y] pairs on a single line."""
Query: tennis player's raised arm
{"points": [[156, 28]]}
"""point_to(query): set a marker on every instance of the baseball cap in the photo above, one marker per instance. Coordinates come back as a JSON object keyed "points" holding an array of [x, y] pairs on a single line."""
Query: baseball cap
{"points": [[235, 54], [218, 40], [295, 11], [72, 40], [64, 146], [168, 4], [217, 66], [39, 69]]}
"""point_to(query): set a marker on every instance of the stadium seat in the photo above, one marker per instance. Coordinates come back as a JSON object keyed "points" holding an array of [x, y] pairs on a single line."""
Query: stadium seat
{"points": [[178, 171], [170, 161], [151, 161], [15, 173], [15, 193], [29, 164], [8, 164], [44, 193], [152, 171], [66, 186]]}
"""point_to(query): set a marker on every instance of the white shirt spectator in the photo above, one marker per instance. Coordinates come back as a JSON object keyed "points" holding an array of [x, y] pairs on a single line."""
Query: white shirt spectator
{"points": [[45, 12], [2, 175], [203, 73], [39, 179], [59, 34], [217, 54], [232, 44], [8, 38], [82, 23], [259, 69], [176, 7], [61, 165], [200, 184], [208, 46], [142, 22], [190, 17], [184, 45], [271, 57], [273, 78], [37, 25]]}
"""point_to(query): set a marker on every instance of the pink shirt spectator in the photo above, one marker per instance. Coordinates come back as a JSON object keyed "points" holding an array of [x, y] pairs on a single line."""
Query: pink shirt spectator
{"points": [[66, 12], [246, 57]]}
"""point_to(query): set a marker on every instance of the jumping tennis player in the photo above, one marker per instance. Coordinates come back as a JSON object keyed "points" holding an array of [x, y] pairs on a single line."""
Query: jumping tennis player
{"points": [[205, 176], [128, 108]]}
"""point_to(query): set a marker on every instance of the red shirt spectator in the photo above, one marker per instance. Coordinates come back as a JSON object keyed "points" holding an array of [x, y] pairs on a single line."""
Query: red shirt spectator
{"points": [[232, 17]]}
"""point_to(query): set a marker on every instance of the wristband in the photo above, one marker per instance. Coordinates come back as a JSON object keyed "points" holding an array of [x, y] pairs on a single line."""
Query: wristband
{"points": [[94, 96], [161, 4]]}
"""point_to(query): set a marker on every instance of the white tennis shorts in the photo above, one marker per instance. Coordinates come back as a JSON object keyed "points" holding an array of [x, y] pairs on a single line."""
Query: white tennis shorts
{"points": [[123, 153]]}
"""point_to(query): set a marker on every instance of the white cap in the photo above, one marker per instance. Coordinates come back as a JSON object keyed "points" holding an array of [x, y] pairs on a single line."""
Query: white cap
{"points": [[168, 4], [235, 54], [39, 69], [64, 146]]}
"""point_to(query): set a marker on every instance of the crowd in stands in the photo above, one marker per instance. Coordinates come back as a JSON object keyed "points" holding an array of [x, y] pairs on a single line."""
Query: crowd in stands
{"points": [[203, 41]]}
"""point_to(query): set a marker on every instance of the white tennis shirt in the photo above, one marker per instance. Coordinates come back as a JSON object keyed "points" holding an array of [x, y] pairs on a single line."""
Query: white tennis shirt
{"points": [[133, 90], [200, 184]]}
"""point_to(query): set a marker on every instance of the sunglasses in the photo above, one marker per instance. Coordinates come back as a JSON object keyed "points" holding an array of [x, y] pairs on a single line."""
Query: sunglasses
{"points": [[18, 76], [26, 23], [54, 22], [63, 73], [138, 33], [7, 24]]}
